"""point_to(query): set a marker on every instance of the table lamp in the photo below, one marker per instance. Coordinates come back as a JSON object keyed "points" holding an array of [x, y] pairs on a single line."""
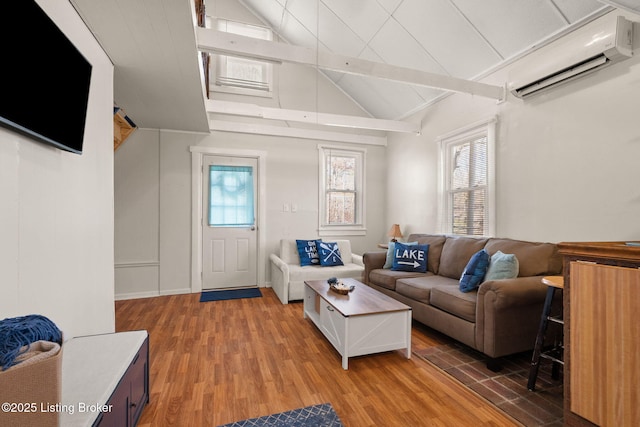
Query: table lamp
{"points": [[394, 232]]}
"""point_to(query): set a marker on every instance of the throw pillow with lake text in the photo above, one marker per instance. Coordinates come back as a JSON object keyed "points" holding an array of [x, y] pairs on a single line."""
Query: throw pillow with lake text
{"points": [[410, 257], [308, 252]]}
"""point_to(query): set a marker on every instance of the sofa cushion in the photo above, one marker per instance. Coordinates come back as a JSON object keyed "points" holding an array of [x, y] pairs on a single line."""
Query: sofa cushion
{"points": [[345, 251], [410, 258], [535, 259], [419, 288], [387, 278], [475, 271], [308, 252], [502, 266], [456, 253], [450, 299], [289, 251], [299, 274], [435, 242]]}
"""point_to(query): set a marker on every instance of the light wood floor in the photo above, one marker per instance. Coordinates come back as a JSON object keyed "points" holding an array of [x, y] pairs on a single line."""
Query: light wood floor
{"points": [[217, 362]]}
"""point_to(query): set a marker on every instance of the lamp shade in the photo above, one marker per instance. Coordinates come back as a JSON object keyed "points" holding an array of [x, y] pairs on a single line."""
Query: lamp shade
{"points": [[394, 231]]}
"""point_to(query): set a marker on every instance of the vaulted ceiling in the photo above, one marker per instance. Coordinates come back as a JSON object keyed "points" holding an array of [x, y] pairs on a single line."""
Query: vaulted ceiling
{"points": [[459, 38], [152, 44]]}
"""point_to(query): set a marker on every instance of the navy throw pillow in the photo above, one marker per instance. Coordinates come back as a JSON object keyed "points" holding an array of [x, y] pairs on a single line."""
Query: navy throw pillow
{"points": [[308, 252], [475, 271], [410, 257], [329, 253]]}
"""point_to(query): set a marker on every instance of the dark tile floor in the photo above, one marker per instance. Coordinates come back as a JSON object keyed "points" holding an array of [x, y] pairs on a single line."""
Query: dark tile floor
{"points": [[506, 389]]}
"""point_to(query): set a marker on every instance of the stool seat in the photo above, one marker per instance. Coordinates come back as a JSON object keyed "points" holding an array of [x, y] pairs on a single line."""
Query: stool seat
{"points": [[554, 283]]}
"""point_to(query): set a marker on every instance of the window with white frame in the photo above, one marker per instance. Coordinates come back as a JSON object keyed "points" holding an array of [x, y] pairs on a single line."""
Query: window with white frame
{"points": [[341, 191], [241, 75], [467, 180]]}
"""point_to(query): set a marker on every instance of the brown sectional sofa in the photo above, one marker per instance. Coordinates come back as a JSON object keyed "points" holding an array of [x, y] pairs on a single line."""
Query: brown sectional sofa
{"points": [[500, 318]]}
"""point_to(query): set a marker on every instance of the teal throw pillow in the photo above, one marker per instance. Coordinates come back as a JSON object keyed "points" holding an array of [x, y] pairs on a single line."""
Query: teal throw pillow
{"points": [[410, 257], [308, 252], [475, 271], [502, 266], [388, 263], [329, 253]]}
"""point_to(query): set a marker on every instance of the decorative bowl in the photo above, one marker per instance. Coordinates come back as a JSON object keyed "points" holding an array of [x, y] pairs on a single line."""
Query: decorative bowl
{"points": [[341, 288]]}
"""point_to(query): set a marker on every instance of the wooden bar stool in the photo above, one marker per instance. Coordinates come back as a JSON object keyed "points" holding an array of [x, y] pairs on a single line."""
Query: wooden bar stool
{"points": [[555, 354]]}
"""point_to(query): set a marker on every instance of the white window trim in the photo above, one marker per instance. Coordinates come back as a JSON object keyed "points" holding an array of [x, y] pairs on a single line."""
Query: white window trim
{"points": [[358, 229], [216, 60], [481, 128]]}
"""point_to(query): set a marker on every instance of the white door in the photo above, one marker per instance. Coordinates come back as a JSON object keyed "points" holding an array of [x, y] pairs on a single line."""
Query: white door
{"points": [[229, 241]]}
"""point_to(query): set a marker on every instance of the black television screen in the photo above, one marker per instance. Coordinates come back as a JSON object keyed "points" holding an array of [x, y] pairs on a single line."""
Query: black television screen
{"points": [[44, 80]]}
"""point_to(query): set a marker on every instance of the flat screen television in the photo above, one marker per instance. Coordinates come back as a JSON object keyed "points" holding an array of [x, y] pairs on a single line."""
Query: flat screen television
{"points": [[44, 82]]}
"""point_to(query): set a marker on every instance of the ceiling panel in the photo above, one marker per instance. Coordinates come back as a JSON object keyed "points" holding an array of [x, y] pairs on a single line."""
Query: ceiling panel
{"points": [[394, 45], [576, 10], [630, 5], [270, 10], [442, 30], [295, 32], [336, 35], [382, 98], [511, 25], [390, 5], [365, 17]]}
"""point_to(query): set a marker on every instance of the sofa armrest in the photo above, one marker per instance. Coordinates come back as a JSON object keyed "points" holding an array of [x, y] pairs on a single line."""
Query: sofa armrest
{"points": [[515, 292], [508, 315], [372, 261], [280, 278], [357, 259]]}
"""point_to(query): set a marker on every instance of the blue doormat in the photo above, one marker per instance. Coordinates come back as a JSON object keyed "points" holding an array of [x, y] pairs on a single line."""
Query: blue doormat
{"points": [[312, 416], [230, 294]]}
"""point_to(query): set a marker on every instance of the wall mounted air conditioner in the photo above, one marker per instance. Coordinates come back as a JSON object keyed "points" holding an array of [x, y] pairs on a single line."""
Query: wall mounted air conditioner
{"points": [[581, 52]]}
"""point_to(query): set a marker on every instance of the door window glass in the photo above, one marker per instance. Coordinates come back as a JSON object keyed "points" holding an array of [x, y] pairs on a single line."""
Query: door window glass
{"points": [[230, 196]]}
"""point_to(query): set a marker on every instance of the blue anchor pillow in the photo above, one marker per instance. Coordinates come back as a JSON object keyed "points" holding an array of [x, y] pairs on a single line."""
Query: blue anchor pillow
{"points": [[410, 257], [329, 253]]}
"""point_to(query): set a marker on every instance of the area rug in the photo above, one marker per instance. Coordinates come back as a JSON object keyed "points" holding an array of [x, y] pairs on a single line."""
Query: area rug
{"points": [[311, 416], [230, 294], [507, 389]]}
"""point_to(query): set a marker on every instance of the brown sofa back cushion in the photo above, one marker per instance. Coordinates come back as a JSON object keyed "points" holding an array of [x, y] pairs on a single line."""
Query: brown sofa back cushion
{"points": [[456, 253], [535, 259], [435, 242]]}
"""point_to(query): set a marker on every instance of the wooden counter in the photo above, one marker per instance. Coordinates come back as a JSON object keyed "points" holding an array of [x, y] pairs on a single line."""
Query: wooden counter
{"points": [[601, 333]]}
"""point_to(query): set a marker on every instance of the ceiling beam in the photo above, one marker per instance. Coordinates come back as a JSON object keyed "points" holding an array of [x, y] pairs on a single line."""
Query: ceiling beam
{"points": [[325, 119], [290, 132], [210, 40]]}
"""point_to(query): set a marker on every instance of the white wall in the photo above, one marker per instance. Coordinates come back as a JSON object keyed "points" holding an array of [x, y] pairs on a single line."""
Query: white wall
{"points": [[567, 161], [56, 220], [153, 203]]}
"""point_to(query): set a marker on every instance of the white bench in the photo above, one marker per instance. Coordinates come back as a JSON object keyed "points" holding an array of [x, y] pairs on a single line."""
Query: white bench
{"points": [[288, 276]]}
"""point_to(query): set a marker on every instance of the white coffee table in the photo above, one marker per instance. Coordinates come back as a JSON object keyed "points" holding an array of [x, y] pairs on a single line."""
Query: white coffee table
{"points": [[363, 322]]}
